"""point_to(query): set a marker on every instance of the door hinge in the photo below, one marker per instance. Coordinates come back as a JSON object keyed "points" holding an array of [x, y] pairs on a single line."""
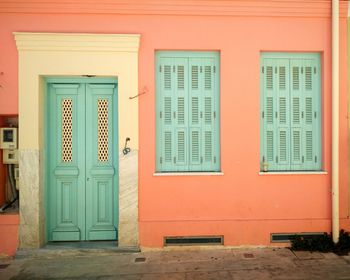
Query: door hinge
{"points": [[315, 159], [174, 159], [200, 69], [161, 160], [201, 159], [262, 114], [160, 68], [214, 69], [174, 68], [201, 114], [314, 70], [301, 69], [276, 159], [174, 115], [263, 159], [302, 159], [262, 69], [160, 114], [214, 159], [315, 114], [214, 114], [302, 114], [276, 115], [276, 70]]}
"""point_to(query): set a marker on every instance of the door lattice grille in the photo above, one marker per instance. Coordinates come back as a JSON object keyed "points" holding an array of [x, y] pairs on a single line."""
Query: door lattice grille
{"points": [[67, 130], [102, 130]]}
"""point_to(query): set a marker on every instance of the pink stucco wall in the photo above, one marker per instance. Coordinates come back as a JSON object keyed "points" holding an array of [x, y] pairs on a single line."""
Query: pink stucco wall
{"points": [[2, 171], [242, 205], [9, 234]]}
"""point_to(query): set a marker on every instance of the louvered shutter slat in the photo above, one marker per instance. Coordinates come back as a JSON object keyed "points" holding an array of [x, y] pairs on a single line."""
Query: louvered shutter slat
{"points": [[168, 147]]}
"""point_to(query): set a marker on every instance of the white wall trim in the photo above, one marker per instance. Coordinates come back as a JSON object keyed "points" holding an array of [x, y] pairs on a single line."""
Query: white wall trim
{"points": [[294, 173], [169, 174]]}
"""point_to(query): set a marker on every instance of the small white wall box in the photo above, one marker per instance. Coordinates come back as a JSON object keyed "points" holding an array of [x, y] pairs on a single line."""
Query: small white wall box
{"points": [[10, 156], [8, 138]]}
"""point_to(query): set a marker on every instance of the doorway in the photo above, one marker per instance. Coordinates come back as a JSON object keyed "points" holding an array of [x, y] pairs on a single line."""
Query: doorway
{"points": [[82, 159]]}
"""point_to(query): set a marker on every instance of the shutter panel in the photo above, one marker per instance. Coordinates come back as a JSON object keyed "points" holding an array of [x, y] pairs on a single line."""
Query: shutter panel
{"points": [[210, 135], [282, 116], [269, 83], [195, 113], [208, 111], [166, 84], [181, 114], [311, 137], [297, 114]]}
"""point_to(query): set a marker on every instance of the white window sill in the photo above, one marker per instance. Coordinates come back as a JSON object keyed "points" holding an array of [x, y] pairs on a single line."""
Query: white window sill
{"points": [[160, 174], [294, 173]]}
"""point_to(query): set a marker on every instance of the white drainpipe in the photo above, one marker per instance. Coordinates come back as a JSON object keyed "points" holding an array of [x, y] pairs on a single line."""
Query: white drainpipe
{"points": [[335, 120]]}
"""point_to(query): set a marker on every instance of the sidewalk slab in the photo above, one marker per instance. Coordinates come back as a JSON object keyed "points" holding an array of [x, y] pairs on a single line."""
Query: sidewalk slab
{"points": [[266, 263]]}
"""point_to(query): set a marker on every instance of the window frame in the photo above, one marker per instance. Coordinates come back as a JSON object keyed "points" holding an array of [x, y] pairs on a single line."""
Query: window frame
{"points": [[188, 55], [316, 57]]}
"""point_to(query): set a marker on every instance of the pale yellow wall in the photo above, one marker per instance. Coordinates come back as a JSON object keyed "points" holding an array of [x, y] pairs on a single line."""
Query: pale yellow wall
{"points": [[75, 55], [44, 55]]}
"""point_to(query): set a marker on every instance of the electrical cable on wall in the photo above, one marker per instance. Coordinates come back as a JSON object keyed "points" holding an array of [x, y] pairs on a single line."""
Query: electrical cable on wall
{"points": [[11, 191]]}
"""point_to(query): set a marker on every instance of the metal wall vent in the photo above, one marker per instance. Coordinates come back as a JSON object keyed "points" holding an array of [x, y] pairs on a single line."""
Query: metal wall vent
{"points": [[193, 240], [287, 237]]}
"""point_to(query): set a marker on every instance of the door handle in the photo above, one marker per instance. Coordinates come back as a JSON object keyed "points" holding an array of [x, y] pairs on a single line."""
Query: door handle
{"points": [[87, 179], [126, 150]]}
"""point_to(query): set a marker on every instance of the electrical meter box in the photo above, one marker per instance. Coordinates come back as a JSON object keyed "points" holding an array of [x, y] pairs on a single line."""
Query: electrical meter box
{"points": [[8, 137], [10, 156]]}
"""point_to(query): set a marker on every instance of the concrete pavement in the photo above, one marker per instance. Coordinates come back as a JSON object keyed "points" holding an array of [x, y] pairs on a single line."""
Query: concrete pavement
{"points": [[185, 263]]}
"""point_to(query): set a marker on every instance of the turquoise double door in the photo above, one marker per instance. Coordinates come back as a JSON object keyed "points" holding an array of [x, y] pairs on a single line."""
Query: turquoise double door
{"points": [[82, 160]]}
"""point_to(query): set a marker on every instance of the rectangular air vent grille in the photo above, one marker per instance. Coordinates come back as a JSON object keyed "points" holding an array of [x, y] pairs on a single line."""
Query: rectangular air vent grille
{"points": [[287, 237], [193, 240]]}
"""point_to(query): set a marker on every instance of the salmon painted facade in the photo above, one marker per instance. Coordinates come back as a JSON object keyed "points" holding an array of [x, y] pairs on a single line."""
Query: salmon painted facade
{"points": [[157, 122]]}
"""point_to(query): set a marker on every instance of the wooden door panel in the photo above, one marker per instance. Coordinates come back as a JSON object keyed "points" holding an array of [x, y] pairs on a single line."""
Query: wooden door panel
{"points": [[66, 188], [101, 160]]}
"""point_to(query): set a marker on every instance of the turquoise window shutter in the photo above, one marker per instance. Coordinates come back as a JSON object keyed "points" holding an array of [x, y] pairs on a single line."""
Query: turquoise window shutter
{"points": [[282, 116], [297, 114], [196, 113], [188, 133], [180, 114], [209, 157], [269, 122], [311, 117], [290, 117], [165, 108]]}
